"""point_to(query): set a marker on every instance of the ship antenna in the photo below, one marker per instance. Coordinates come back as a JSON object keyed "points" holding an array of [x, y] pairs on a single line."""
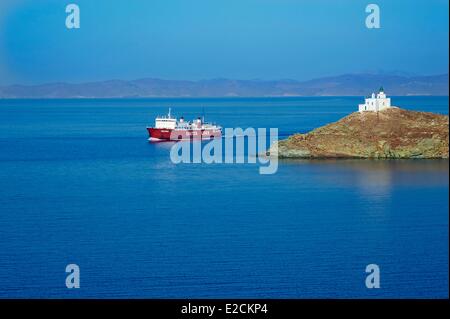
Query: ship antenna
{"points": [[203, 120], [169, 112]]}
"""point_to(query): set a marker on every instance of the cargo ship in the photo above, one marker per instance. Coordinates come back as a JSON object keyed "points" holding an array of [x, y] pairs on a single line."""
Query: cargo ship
{"points": [[169, 128]]}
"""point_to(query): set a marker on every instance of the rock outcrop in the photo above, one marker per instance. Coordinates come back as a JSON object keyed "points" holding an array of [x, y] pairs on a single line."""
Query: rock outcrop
{"points": [[392, 133]]}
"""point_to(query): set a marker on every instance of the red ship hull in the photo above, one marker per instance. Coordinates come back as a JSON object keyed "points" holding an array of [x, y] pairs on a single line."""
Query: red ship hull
{"points": [[161, 134]]}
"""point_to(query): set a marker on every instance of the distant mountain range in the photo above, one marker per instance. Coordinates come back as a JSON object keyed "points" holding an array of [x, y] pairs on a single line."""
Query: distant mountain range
{"points": [[342, 85]]}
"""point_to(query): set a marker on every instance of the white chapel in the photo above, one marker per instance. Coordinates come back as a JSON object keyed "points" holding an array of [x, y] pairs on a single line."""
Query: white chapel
{"points": [[376, 103]]}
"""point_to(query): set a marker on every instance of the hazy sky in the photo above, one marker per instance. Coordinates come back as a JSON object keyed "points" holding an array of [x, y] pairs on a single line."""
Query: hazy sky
{"points": [[197, 39]]}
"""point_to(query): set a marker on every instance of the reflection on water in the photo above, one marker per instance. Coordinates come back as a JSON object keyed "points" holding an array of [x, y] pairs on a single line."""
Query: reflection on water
{"points": [[375, 178]]}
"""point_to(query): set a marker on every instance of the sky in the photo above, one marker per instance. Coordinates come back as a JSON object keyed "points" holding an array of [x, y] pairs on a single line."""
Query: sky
{"points": [[204, 39]]}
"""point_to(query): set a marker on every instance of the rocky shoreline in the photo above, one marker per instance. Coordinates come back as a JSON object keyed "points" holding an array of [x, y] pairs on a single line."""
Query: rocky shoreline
{"points": [[393, 133]]}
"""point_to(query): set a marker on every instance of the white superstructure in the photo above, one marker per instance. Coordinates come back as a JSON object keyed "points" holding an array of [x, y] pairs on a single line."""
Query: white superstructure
{"points": [[166, 122], [169, 122], [376, 102]]}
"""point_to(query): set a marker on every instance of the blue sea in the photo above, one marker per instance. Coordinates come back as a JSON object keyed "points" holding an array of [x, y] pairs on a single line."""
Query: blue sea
{"points": [[80, 183]]}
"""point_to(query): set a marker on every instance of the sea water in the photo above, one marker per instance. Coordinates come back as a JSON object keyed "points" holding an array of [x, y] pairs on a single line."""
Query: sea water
{"points": [[80, 183]]}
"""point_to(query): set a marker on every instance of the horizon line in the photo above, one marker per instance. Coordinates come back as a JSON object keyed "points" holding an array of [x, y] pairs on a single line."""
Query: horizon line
{"points": [[205, 97], [392, 74]]}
